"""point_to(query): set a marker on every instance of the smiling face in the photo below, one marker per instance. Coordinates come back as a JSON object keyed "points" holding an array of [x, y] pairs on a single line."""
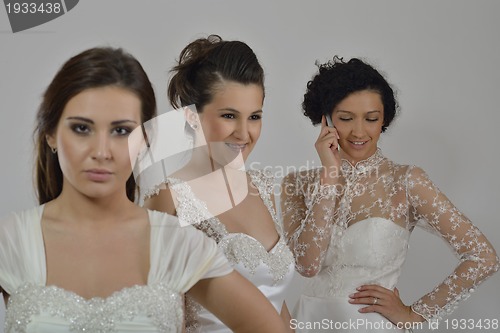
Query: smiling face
{"points": [[232, 121], [91, 141], [358, 119]]}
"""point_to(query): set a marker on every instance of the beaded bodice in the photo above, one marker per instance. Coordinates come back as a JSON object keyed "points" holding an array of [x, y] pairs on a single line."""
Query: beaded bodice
{"points": [[140, 307], [271, 271], [179, 258], [239, 248]]}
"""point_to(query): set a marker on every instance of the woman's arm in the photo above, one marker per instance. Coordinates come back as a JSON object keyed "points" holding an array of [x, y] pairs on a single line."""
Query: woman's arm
{"points": [[286, 317], [386, 302], [478, 259], [308, 214], [238, 304], [308, 207]]}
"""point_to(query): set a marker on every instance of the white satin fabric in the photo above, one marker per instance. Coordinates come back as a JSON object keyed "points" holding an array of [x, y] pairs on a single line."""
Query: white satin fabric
{"points": [[204, 321], [179, 257], [371, 251]]}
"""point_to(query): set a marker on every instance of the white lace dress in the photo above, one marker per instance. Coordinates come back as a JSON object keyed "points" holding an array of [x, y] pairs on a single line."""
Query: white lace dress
{"points": [[179, 257], [358, 233], [271, 272]]}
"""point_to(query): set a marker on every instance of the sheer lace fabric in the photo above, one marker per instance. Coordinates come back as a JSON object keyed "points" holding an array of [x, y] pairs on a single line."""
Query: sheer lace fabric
{"points": [[179, 258], [271, 271], [358, 232]]}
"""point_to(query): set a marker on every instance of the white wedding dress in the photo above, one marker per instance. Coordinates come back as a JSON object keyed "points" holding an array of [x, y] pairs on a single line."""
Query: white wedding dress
{"points": [[179, 257], [271, 272], [358, 233]]}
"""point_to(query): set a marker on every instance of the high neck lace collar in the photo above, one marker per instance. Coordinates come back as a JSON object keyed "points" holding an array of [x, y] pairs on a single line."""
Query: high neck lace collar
{"points": [[364, 166]]}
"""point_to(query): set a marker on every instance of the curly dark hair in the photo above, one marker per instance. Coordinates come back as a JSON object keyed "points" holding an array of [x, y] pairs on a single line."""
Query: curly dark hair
{"points": [[337, 79]]}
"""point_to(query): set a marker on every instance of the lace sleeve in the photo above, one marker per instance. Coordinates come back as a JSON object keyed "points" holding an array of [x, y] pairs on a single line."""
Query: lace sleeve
{"points": [[308, 214], [477, 257]]}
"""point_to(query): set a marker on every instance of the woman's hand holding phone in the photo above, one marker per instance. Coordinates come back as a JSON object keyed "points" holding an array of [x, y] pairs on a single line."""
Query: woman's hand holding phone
{"points": [[327, 146], [329, 121]]}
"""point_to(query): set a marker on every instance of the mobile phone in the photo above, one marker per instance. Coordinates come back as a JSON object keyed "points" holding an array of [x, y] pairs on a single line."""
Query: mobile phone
{"points": [[329, 121]]}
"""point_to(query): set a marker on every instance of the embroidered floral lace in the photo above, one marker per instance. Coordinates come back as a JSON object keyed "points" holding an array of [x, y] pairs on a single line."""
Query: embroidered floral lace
{"points": [[317, 218]]}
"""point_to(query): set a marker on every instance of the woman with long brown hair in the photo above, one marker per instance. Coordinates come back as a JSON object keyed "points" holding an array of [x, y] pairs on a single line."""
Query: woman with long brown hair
{"points": [[88, 259]]}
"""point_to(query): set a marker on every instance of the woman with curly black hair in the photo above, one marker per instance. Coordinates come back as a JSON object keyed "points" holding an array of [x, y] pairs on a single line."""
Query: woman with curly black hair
{"points": [[349, 222]]}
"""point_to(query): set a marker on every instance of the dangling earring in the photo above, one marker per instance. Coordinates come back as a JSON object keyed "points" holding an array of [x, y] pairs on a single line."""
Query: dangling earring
{"points": [[54, 150]]}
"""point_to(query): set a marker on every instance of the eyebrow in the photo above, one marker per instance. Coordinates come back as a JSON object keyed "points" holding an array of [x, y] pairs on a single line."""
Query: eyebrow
{"points": [[374, 111], [236, 111], [89, 121]]}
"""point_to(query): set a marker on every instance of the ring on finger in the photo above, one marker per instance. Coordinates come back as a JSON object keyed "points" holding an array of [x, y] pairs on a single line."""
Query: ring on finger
{"points": [[375, 300]]}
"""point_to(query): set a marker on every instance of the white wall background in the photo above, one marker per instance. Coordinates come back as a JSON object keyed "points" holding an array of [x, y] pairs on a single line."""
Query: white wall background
{"points": [[442, 56]]}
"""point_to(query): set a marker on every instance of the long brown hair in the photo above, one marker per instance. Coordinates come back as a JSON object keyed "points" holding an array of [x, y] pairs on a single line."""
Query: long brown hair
{"points": [[93, 68]]}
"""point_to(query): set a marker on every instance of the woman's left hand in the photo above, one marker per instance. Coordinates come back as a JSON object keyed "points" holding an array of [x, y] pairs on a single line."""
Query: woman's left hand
{"points": [[384, 301]]}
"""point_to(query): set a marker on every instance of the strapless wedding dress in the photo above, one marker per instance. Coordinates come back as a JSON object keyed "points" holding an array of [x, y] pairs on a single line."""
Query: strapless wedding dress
{"points": [[371, 251]]}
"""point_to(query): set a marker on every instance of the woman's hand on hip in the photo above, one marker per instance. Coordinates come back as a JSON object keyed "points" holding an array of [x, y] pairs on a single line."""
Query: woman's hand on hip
{"points": [[386, 302]]}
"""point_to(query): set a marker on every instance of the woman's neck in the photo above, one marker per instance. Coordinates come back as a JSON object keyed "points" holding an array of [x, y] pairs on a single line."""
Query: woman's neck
{"points": [[200, 163], [84, 209], [354, 161]]}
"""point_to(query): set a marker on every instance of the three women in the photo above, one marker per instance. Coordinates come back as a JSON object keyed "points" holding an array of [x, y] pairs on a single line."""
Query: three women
{"points": [[88, 259]]}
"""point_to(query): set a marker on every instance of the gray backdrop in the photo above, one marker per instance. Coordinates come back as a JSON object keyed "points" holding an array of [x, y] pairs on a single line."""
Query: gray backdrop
{"points": [[442, 57]]}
